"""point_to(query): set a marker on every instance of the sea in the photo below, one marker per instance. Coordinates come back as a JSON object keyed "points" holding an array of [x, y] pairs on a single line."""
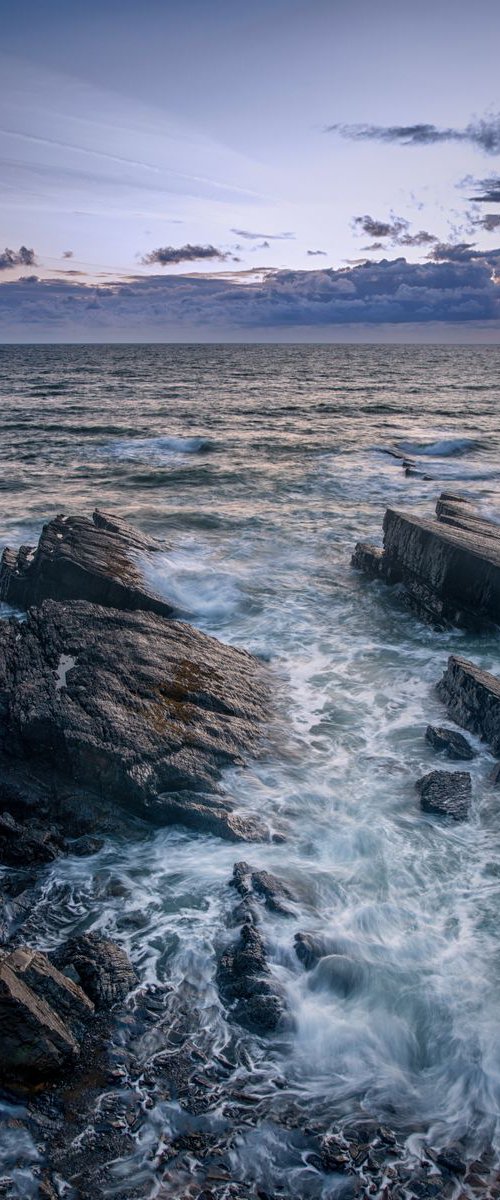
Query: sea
{"points": [[260, 467]]}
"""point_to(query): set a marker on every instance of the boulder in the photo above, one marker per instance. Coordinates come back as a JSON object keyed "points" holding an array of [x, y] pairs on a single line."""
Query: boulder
{"points": [[446, 793], [132, 709], [42, 1015], [103, 968], [273, 891], [24, 843], [472, 697], [81, 559], [247, 985], [453, 744], [448, 566], [309, 948]]}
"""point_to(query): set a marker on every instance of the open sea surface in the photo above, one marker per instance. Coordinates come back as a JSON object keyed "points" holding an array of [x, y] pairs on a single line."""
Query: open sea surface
{"points": [[260, 467]]}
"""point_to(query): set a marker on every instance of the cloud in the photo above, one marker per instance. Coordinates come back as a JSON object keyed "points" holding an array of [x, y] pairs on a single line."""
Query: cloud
{"points": [[456, 285], [268, 237], [314, 253], [166, 255], [396, 230], [67, 254], [483, 133], [490, 222], [17, 258], [489, 190]]}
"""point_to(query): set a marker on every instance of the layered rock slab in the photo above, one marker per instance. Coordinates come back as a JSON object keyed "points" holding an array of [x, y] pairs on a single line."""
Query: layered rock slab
{"points": [[449, 566], [133, 708], [472, 697], [78, 558], [42, 1015]]}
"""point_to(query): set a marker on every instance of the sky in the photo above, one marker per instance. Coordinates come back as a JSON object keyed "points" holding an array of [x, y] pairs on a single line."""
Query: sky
{"points": [[282, 170]]}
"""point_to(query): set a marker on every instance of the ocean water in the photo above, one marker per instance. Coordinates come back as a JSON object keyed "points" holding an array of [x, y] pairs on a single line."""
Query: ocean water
{"points": [[260, 467]]}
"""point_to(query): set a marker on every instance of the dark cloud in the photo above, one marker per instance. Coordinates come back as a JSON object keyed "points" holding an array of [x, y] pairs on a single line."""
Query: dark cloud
{"points": [[268, 237], [490, 222], [456, 285], [314, 253], [67, 254], [17, 258], [489, 190], [165, 256], [483, 133], [396, 230]]}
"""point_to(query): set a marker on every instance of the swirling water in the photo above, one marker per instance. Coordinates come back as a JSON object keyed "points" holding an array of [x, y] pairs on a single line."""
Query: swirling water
{"points": [[261, 466]]}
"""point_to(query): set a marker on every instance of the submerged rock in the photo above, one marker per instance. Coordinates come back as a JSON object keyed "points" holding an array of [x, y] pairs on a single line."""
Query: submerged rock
{"points": [[128, 708], [449, 566], [246, 983], [81, 559], [446, 793], [103, 968], [42, 1015], [472, 697], [454, 744]]}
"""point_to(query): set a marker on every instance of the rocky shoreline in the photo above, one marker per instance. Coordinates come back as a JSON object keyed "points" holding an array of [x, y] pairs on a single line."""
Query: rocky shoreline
{"points": [[117, 716]]}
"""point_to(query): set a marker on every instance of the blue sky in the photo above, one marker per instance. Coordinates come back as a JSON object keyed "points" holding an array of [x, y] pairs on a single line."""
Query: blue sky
{"points": [[223, 169]]}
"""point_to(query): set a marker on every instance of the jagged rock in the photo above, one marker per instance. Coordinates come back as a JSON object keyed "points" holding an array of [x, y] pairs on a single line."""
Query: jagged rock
{"points": [[211, 814], [275, 893], [247, 984], [472, 697], [334, 1154], [86, 846], [82, 559], [147, 708], [104, 970], [42, 1014], [447, 793], [22, 844], [454, 744], [449, 567]]}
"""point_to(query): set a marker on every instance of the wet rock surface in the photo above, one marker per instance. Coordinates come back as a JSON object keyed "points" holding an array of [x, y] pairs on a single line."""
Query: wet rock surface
{"points": [[78, 558], [254, 884], [42, 1016], [446, 793], [453, 744], [449, 566], [472, 697], [147, 707], [247, 985], [103, 968]]}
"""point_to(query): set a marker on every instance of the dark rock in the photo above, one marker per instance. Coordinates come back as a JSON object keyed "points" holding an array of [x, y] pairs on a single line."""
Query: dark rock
{"points": [[104, 970], [247, 985], [275, 892], [22, 844], [81, 559], [447, 793], [451, 1159], [454, 744], [42, 1014], [450, 567], [334, 1154], [86, 846], [309, 948], [472, 697], [148, 707]]}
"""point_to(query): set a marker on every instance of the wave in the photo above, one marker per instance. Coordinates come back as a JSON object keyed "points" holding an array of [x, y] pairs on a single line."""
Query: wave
{"points": [[157, 447], [446, 448]]}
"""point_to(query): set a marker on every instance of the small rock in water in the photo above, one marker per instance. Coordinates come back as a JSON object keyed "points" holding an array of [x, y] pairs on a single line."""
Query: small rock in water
{"points": [[446, 793], [103, 968], [246, 983], [275, 892], [454, 744]]}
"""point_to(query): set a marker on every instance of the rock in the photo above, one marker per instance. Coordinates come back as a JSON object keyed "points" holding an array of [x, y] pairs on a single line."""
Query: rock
{"points": [[452, 1160], [247, 985], [449, 567], [338, 973], [104, 970], [81, 559], [275, 893], [334, 1154], [454, 744], [86, 846], [472, 697], [149, 709], [42, 1014], [23, 844], [309, 948], [446, 793], [210, 815]]}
